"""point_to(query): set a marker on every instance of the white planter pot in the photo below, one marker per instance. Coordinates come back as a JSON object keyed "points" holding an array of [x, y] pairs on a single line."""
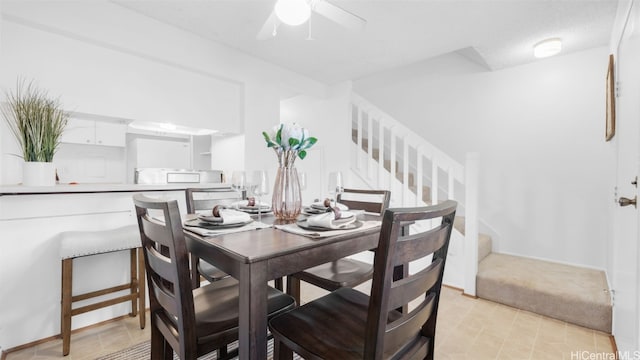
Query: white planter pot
{"points": [[38, 174]]}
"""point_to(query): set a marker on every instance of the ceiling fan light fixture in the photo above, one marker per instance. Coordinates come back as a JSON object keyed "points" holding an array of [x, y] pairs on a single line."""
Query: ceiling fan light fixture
{"points": [[293, 12], [548, 47]]}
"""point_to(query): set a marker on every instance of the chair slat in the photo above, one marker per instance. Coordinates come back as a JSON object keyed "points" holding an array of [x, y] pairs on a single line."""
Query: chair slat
{"points": [[156, 232], [417, 246], [207, 198], [166, 299], [161, 265], [405, 290], [400, 330], [363, 205]]}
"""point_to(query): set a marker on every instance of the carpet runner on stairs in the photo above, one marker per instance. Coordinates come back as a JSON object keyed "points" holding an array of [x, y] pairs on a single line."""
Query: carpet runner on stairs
{"points": [[569, 293]]}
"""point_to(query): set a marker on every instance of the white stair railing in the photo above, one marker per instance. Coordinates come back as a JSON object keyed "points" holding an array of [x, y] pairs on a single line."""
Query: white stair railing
{"points": [[388, 155]]}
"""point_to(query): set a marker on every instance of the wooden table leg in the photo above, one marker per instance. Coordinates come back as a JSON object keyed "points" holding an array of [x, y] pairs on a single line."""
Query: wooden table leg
{"points": [[293, 288], [253, 312]]}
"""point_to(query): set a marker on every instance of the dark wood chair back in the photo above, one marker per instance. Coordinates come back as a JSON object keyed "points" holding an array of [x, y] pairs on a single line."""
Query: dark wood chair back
{"points": [[344, 272], [411, 334], [207, 198], [374, 201], [169, 279], [348, 324], [203, 200]]}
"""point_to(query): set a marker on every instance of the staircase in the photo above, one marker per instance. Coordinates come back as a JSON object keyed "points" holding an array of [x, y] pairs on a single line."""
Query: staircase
{"points": [[386, 155]]}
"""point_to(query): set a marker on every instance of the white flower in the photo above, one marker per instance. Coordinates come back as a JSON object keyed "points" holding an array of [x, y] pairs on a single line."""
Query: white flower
{"points": [[289, 137], [293, 131]]}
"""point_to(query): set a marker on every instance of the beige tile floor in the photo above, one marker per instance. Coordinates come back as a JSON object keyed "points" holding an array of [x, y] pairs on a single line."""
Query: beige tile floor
{"points": [[467, 329]]}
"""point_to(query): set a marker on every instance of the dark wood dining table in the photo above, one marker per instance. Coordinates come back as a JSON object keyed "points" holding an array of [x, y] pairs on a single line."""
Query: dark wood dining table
{"points": [[257, 256]]}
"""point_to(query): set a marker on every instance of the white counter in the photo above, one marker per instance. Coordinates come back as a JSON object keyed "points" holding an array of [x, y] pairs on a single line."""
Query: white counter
{"points": [[97, 188], [30, 268]]}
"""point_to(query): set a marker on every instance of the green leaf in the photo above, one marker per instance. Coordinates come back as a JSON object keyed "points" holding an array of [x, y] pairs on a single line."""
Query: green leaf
{"points": [[302, 154], [279, 136], [293, 142], [308, 143], [268, 139], [266, 136]]}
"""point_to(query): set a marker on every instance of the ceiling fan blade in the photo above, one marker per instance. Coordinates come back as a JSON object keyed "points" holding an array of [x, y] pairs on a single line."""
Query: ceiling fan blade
{"points": [[339, 15], [268, 28]]}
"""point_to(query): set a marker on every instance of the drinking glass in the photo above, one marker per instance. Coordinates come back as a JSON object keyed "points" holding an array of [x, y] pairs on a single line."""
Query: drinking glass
{"points": [[335, 185], [259, 186], [239, 181]]}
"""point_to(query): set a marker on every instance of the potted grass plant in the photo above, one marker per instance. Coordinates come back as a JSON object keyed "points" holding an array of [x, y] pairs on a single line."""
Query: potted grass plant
{"points": [[37, 122]]}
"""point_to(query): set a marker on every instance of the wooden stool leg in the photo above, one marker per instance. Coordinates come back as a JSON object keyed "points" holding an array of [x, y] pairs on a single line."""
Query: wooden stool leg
{"points": [[281, 351], [141, 289], [65, 317], [133, 283]]}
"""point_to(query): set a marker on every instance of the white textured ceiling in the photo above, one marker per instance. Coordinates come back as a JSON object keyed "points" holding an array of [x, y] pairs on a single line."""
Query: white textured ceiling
{"points": [[497, 34]]}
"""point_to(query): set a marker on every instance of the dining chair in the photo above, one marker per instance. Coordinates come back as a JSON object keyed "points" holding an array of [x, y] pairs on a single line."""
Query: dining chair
{"points": [[191, 322], [348, 324], [204, 199], [344, 272]]}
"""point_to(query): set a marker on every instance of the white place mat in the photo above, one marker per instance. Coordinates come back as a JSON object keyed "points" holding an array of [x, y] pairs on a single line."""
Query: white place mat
{"points": [[295, 229], [254, 225]]}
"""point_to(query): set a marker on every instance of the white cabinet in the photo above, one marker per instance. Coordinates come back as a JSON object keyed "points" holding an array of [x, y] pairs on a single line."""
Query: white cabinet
{"points": [[92, 132]]}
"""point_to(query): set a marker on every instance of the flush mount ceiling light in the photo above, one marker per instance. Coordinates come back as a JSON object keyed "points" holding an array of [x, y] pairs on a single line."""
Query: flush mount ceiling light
{"points": [[546, 48], [293, 12]]}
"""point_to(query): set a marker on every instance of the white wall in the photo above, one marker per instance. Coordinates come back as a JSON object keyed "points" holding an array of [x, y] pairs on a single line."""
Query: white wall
{"points": [[545, 169], [107, 60]]}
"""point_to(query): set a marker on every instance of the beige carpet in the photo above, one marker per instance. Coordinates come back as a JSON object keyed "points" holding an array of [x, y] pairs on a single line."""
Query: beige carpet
{"points": [[569, 293], [141, 351]]}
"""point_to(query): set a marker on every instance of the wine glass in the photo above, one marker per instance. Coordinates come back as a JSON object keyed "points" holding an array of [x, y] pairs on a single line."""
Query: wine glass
{"points": [[239, 181], [335, 185], [259, 186]]}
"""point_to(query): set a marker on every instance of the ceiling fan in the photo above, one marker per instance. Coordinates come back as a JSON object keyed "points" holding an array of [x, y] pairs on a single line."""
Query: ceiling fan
{"points": [[297, 12]]}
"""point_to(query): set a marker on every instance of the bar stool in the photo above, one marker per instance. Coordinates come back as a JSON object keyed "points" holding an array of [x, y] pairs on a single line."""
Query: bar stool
{"points": [[75, 244]]}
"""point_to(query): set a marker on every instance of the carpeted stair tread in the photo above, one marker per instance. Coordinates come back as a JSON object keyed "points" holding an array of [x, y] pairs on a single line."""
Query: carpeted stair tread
{"points": [[569, 293]]}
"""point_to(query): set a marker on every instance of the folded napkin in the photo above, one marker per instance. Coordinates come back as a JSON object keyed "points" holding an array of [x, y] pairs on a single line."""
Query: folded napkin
{"points": [[328, 220], [320, 205], [227, 216], [245, 204]]}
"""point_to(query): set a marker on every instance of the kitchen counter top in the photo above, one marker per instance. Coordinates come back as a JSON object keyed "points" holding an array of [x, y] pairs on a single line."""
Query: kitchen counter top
{"points": [[99, 188]]}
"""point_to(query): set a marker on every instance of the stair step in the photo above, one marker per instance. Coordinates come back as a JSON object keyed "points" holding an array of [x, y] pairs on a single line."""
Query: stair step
{"points": [[485, 243], [568, 293], [426, 193]]}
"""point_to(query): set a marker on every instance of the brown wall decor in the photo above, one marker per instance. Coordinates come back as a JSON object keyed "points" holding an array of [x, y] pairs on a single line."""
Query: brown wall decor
{"points": [[610, 129]]}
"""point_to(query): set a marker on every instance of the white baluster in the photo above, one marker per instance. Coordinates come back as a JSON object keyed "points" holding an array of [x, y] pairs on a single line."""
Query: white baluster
{"points": [[434, 180], [358, 160], [392, 163], [381, 169], [370, 160], [405, 171], [419, 161], [471, 223], [451, 183]]}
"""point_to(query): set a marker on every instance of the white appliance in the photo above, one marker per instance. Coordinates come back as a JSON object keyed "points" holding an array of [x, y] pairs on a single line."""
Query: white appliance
{"points": [[177, 176], [157, 153]]}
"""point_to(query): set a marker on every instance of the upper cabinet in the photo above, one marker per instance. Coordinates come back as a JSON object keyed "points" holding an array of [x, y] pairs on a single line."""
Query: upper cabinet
{"points": [[92, 132]]}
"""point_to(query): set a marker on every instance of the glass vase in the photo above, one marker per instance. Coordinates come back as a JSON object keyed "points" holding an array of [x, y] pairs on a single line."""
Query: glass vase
{"points": [[287, 200]]}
